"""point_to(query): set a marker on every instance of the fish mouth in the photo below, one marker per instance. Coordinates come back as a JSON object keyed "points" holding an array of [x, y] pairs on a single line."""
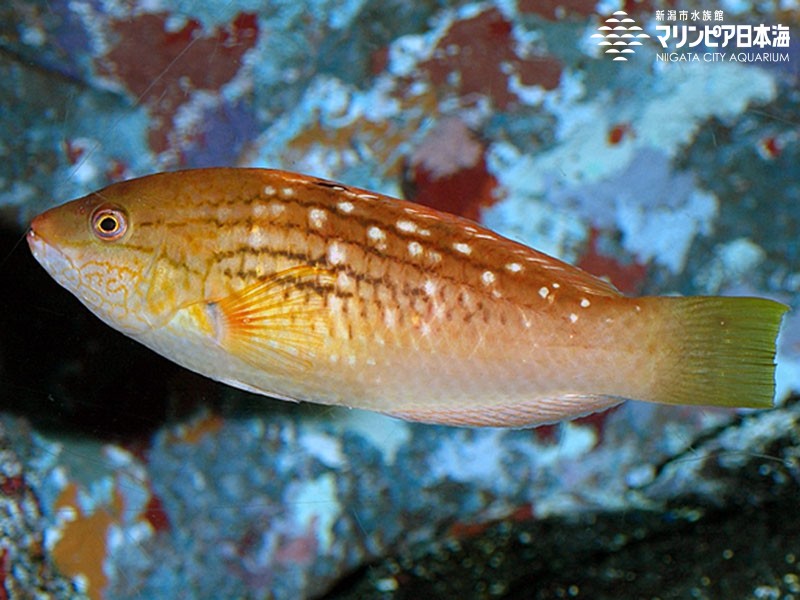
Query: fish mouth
{"points": [[54, 261], [38, 245], [42, 250], [36, 240]]}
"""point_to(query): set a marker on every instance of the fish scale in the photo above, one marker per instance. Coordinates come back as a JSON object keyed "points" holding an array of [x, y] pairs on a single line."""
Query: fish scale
{"points": [[304, 289]]}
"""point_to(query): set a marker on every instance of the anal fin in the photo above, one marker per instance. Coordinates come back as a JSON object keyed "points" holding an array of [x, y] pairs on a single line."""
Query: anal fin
{"points": [[541, 410]]}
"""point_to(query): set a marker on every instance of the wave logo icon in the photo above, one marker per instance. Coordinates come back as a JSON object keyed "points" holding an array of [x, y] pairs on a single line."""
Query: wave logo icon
{"points": [[618, 34]]}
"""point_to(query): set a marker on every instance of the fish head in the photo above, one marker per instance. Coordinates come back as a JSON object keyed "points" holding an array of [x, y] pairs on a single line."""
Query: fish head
{"points": [[95, 248]]}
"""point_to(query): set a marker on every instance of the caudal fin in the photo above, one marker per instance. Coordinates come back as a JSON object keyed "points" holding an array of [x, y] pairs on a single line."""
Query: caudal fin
{"points": [[724, 350]]}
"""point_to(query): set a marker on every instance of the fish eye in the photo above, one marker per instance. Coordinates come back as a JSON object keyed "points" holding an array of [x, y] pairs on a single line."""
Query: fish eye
{"points": [[109, 223]]}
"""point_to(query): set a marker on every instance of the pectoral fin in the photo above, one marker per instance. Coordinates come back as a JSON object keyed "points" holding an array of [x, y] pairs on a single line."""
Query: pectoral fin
{"points": [[277, 323]]}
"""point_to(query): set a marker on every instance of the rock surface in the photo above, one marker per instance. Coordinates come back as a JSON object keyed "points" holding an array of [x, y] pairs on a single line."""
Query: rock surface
{"points": [[664, 177]]}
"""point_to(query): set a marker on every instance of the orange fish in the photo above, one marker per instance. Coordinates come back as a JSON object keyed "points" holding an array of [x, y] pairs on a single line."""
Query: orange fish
{"points": [[304, 289]]}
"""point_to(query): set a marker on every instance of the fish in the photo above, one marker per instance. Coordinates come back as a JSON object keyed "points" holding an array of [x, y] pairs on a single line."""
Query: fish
{"points": [[304, 289]]}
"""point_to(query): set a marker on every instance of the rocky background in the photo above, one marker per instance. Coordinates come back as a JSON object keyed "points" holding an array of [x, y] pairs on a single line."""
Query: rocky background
{"points": [[123, 476]]}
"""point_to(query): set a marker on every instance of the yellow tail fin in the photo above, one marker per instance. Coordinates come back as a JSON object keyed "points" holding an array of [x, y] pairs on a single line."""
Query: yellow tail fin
{"points": [[725, 351]]}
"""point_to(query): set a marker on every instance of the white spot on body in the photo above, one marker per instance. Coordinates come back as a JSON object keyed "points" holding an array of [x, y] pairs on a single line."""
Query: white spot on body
{"points": [[276, 208], [335, 303], [514, 267], [414, 248], [435, 256], [317, 217], [259, 210], [487, 277], [429, 287], [544, 292], [344, 282], [462, 247], [406, 226], [346, 207], [376, 234], [585, 303], [388, 317], [336, 254], [424, 232], [269, 190], [573, 317], [256, 237], [556, 285], [288, 192]]}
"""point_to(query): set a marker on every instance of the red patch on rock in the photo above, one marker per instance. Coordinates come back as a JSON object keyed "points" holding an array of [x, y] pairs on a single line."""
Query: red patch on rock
{"points": [[4, 569], [478, 56], [463, 193], [522, 514], [628, 278], [448, 172], [379, 61], [72, 151], [463, 531], [619, 132], [770, 147], [118, 171], [597, 421], [155, 514], [12, 486], [162, 68], [645, 6], [547, 434], [555, 10], [302, 549]]}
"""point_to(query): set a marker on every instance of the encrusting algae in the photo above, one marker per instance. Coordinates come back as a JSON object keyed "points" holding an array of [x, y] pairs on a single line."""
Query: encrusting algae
{"points": [[304, 289]]}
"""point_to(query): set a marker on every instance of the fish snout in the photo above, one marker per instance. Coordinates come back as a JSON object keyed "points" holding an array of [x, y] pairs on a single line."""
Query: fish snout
{"points": [[38, 230], [35, 240], [43, 236]]}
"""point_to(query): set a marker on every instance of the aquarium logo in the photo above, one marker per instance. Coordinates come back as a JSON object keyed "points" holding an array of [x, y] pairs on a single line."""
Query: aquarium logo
{"points": [[619, 34], [694, 36]]}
